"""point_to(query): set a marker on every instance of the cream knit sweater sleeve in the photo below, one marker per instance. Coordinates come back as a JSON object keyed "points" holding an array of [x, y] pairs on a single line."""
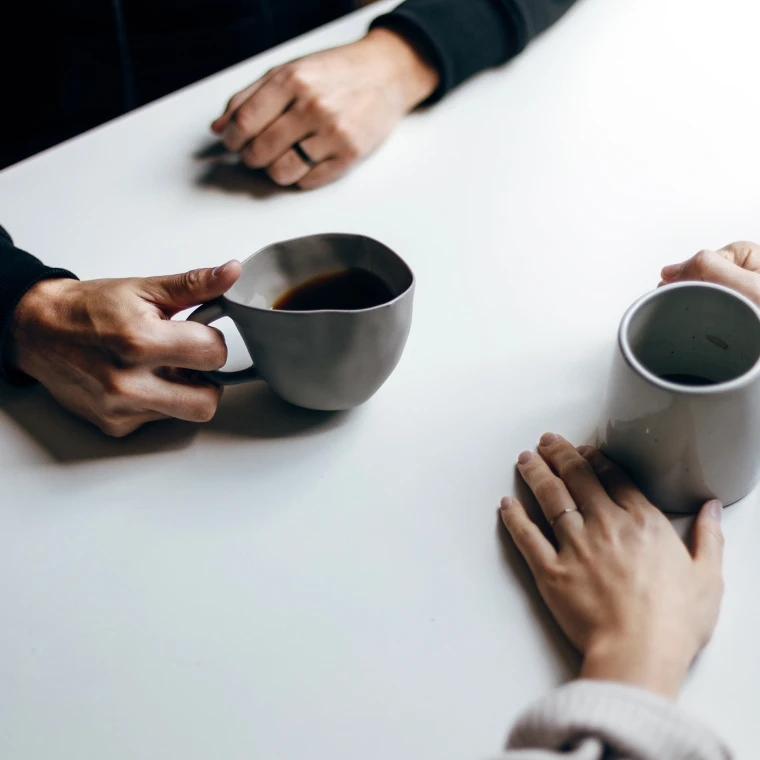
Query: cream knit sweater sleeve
{"points": [[600, 720]]}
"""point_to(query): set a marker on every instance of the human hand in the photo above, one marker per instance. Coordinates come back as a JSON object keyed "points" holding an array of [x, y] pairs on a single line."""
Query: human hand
{"points": [[107, 349], [736, 266], [623, 587], [338, 105]]}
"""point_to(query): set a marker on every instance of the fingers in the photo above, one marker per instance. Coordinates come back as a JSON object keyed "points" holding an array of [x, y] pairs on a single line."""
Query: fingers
{"points": [[707, 539], [218, 125], [576, 473], [743, 254], [276, 139], [290, 168], [181, 291], [257, 112], [122, 425], [326, 172], [551, 494], [721, 268], [188, 345], [614, 480], [191, 400], [530, 542]]}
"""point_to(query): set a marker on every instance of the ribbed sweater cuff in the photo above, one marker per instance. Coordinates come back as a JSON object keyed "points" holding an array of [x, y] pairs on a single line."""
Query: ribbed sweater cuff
{"points": [[627, 721]]}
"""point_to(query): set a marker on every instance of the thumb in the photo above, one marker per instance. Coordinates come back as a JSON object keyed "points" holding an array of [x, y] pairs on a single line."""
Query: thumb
{"points": [[717, 267], [175, 292], [707, 540]]}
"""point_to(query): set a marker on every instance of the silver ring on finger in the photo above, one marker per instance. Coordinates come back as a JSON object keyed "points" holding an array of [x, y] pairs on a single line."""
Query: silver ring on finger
{"points": [[558, 517], [304, 156]]}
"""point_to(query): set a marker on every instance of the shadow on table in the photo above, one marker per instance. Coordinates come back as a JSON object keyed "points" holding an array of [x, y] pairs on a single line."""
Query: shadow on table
{"points": [[249, 411], [224, 171], [515, 565], [67, 438], [252, 410]]}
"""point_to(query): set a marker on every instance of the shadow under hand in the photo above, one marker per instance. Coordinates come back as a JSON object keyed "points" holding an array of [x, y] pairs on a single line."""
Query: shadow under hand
{"points": [[226, 172], [252, 410], [567, 655], [66, 438]]}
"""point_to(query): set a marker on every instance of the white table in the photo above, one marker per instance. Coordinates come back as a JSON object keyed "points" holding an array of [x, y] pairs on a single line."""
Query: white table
{"points": [[279, 584]]}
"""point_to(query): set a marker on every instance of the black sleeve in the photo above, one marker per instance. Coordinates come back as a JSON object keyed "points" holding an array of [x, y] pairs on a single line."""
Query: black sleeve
{"points": [[19, 270], [462, 37]]}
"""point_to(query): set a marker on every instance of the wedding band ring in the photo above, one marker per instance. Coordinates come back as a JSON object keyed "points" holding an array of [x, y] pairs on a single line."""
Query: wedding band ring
{"points": [[304, 156], [561, 515]]}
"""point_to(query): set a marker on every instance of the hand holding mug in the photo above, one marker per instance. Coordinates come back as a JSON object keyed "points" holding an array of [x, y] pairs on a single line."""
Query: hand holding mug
{"points": [[629, 595], [737, 266], [107, 349]]}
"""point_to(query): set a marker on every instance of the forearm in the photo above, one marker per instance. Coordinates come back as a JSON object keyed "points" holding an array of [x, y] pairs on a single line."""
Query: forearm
{"points": [[462, 38], [596, 720], [409, 66], [19, 271]]}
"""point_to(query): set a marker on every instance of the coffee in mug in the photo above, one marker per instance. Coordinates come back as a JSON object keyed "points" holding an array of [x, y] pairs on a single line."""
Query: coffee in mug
{"points": [[344, 290], [325, 318]]}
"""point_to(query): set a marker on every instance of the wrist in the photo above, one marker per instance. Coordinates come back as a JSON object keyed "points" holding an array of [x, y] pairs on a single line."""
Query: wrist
{"points": [[39, 307], [409, 70], [657, 664]]}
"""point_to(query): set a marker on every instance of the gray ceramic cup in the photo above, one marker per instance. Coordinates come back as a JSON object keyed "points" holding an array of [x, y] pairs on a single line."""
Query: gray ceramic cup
{"points": [[684, 444], [325, 360]]}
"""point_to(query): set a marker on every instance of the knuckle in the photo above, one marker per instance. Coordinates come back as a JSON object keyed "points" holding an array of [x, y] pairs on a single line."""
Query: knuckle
{"points": [[136, 347], [117, 427], [308, 184], [214, 350], [296, 78], [204, 411], [281, 173], [117, 390], [644, 520], [231, 104], [702, 261], [322, 110], [241, 120], [342, 134], [249, 157], [192, 280], [259, 152], [546, 489], [554, 574], [573, 466]]}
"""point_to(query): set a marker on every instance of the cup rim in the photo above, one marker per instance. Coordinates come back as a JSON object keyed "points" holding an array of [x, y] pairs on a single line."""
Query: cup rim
{"points": [[385, 304], [689, 390]]}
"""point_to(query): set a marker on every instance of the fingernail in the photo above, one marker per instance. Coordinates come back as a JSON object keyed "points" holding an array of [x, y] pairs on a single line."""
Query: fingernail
{"points": [[525, 457], [671, 271], [214, 127], [715, 508], [585, 450], [220, 269], [547, 439], [506, 503]]}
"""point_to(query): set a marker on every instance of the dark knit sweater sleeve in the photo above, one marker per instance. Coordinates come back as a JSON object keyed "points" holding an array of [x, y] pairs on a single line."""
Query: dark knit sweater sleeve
{"points": [[19, 271], [462, 37]]}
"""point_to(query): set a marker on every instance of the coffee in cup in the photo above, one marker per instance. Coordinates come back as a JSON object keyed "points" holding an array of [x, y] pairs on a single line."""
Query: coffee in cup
{"points": [[325, 318]]}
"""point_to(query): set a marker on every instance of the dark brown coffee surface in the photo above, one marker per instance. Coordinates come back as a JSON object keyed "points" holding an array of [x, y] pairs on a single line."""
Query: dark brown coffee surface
{"points": [[344, 290], [686, 379]]}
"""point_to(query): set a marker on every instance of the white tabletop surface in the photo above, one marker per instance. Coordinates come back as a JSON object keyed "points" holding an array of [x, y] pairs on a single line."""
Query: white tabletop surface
{"points": [[281, 584]]}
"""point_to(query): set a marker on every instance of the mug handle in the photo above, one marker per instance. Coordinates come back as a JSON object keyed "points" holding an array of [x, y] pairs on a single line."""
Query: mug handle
{"points": [[205, 314]]}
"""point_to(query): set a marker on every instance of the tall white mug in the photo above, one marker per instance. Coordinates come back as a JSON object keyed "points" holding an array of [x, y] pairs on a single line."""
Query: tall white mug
{"points": [[682, 410]]}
